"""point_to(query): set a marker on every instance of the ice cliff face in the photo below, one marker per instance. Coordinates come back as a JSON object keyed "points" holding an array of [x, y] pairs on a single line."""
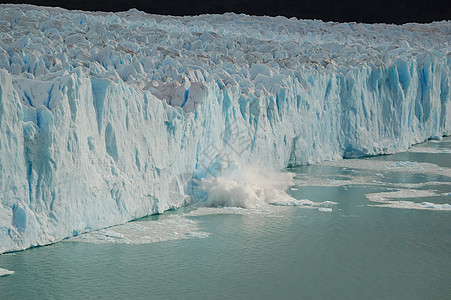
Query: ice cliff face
{"points": [[107, 117]]}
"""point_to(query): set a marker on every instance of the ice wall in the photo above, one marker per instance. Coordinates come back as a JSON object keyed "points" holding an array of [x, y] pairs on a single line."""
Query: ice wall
{"points": [[108, 117]]}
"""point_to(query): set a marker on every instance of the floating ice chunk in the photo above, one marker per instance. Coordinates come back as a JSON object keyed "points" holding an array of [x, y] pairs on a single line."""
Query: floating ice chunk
{"points": [[419, 149], [304, 203], [404, 165], [391, 166], [202, 211], [144, 232], [405, 193], [294, 202], [325, 209], [415, 205], [197, 235], [319, 180], [5, 272], [327, 203], [387, 199]]}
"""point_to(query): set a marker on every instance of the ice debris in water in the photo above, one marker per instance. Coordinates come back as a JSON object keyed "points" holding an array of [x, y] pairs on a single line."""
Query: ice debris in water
{"points": [[5, 272], [388, 199], [145, 232], [325, 209]]}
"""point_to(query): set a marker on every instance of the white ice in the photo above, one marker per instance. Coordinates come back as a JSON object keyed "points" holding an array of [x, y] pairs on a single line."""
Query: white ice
{"points": [[429, 150], [359, 176], [391, 166], [5, 272], [171, 228], [325, 209], [388, 199]]}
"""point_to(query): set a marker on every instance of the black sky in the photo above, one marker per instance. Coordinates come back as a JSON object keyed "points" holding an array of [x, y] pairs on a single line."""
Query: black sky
{"points": [[381, 11]]}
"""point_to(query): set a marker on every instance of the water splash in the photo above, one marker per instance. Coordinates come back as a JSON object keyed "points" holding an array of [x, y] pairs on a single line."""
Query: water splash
{"points": [[248, 187]]}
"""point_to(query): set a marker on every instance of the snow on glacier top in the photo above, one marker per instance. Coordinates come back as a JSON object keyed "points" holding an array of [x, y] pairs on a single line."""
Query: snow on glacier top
{"points": [[166, 55]]}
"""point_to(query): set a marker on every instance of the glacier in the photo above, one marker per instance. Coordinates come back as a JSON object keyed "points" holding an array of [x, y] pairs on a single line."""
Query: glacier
{"points": [[109, 117]]}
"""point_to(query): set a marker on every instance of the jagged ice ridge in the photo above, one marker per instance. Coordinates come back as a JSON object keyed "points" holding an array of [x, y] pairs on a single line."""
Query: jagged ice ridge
{"points": [[107, 117]]}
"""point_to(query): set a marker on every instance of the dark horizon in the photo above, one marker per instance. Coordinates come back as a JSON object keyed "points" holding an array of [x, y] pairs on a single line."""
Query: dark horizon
{"points": [[382, 11]]}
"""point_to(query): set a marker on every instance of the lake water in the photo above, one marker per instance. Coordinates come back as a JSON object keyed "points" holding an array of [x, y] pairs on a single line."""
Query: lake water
{"points": [[387, 237]]}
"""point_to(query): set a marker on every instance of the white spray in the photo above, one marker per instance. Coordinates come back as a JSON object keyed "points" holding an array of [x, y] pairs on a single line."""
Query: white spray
{"points": [[248, 187]]}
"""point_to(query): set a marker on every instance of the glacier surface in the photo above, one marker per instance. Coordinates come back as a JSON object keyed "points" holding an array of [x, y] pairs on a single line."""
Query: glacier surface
{"points": [[108, 117]]}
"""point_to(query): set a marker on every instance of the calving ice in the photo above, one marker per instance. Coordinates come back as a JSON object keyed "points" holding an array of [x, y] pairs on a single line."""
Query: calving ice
{"points": [[108, 117]]}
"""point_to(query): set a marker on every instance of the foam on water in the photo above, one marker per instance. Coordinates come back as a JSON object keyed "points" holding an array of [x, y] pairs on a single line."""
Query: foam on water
{"points": [[303, 203], [173, 227], [309, 180], [204, 211]]}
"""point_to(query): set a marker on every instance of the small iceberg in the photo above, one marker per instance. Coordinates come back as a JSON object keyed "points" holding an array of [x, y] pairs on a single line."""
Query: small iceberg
{"points": [[4, 272], [325, 209]]}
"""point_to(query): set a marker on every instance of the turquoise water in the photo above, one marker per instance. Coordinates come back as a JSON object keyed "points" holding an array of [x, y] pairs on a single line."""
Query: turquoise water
{"points": [[356, 251]]}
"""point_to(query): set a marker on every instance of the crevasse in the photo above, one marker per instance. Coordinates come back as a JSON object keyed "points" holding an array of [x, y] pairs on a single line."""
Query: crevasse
{"points": [[109, 117]]}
